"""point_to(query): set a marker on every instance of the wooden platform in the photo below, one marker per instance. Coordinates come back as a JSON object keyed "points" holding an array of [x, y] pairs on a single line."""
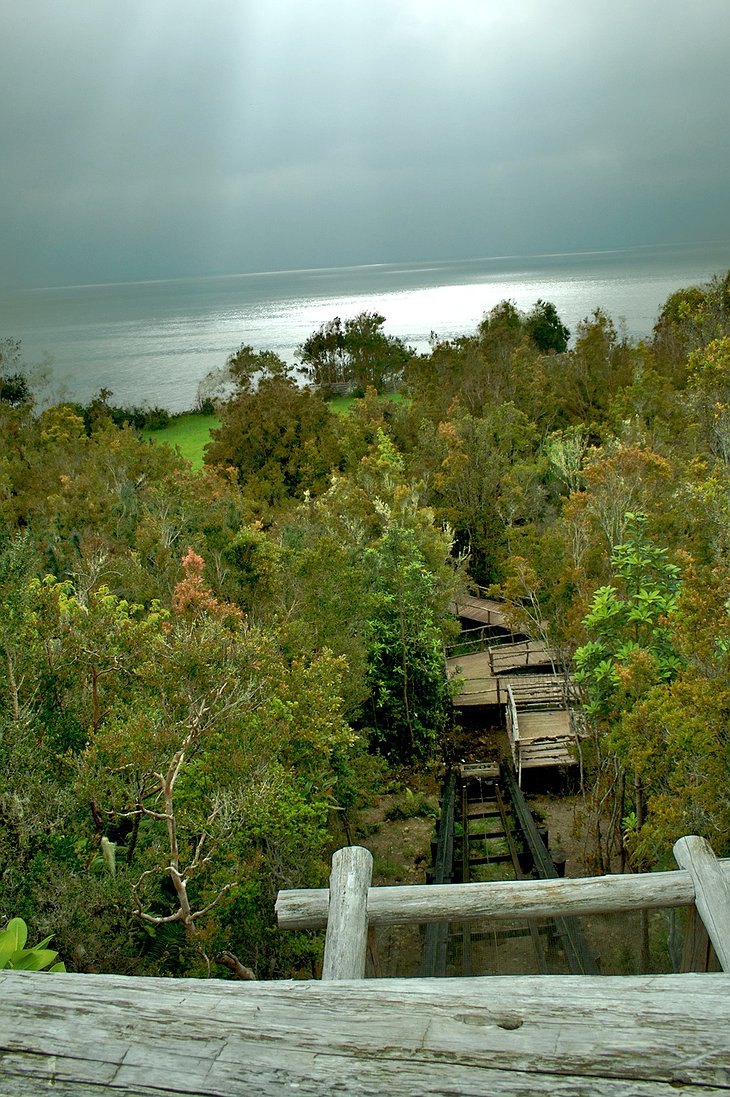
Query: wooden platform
{"points": [[482, 611], [545, 739], [481, 687], [577, 1036]]}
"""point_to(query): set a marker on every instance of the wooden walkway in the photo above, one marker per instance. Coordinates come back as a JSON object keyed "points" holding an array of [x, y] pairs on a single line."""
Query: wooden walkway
{"points": [[483, 611], [519, 674]]}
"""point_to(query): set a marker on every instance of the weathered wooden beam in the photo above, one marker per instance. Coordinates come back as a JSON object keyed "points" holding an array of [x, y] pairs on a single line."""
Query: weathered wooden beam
{"points": [[712, 891], [697, 951], [414, 903], [346, 942], [572, 1036]]}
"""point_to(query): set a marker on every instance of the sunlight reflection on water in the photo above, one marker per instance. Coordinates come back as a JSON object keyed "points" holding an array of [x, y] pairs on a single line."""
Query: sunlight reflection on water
{"points": [[154, 342]]}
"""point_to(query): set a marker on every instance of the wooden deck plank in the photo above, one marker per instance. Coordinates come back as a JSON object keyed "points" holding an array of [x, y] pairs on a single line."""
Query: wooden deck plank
{"points": [[524, 653], [484, 611], [577, 1036], [544, 725], [479, 686]]}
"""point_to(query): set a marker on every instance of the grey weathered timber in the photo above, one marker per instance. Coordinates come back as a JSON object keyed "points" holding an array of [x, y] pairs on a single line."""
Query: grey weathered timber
{"points": [[483, 610], [387, 906], [712, 891], [577, 1036], [697, 951], [435, 943], [346, 942]]}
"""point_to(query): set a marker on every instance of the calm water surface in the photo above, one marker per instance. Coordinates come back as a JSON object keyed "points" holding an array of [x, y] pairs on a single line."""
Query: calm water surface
{"points": [[155, 341]]}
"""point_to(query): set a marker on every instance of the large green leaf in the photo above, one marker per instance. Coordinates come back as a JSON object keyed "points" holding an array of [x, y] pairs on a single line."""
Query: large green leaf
{"points": [[14, 955], [12, 940]]}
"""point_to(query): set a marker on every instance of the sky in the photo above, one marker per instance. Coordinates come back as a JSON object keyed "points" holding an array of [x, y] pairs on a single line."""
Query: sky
{"points": [[144, 139]]}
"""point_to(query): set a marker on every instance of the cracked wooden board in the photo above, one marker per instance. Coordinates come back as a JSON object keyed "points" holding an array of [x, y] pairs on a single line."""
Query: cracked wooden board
{"points": [[77, 1035]]}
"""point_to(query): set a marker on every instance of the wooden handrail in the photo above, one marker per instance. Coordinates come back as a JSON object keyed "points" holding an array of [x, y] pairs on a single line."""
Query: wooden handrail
{"points": [[709, 885]]}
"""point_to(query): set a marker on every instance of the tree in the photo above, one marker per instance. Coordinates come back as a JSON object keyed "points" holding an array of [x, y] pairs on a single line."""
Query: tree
{"points": [[629, 651], [546, 329], [409, 697], [487, 482], [280, 439], [245, 368], [356, 355], [584, 380], [161, 769], [708, 388], [15, 387], [20, 384], [690, 319]]}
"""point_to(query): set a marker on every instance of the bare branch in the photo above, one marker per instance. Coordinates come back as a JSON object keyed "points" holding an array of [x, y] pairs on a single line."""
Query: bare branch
{"points": [[219, 896]]}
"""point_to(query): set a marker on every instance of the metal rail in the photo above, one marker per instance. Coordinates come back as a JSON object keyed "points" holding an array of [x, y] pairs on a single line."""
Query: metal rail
{"points": [[435, 944], [486, 794]]}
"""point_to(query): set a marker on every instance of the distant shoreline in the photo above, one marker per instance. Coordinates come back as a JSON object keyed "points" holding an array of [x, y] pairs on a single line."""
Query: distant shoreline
{"points": [[153, 342]]}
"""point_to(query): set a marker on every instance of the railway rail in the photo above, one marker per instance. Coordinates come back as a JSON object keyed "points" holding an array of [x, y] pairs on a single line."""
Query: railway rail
{"points": [[487, 832]]}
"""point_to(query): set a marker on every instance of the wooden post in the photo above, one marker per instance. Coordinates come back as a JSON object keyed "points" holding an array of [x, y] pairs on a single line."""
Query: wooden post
{"points": [[697, 951], [346, 942], [712, 894]]}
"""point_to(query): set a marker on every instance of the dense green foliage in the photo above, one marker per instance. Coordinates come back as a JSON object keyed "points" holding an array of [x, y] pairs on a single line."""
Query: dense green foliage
{"points": [[202, 670], [354, 355]]}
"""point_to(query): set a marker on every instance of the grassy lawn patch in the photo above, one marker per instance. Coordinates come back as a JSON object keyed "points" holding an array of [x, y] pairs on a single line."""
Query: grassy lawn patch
{"points": [[342, 404], [188, 433]]}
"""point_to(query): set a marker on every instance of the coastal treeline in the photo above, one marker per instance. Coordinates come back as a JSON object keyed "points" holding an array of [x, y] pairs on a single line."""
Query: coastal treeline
{"points": [[204, 675]]}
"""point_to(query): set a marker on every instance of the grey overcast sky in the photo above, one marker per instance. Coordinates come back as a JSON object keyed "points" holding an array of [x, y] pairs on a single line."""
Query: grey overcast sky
{"points": [[163, 138]]}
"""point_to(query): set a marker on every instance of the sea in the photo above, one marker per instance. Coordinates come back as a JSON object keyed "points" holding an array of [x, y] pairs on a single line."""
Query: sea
{"points": [[152, 343]]}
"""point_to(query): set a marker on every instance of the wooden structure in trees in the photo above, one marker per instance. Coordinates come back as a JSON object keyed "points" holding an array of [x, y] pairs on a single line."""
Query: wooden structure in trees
{"points": [[566, 1036], [521, 675], [480, 611], [541, 723]]}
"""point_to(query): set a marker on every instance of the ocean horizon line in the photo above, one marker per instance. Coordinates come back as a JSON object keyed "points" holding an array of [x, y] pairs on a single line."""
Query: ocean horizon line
{"points": [[404, 266]]}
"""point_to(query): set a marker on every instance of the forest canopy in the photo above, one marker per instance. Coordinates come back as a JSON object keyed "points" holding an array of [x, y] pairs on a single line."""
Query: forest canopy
{"points": [[203, 674]]}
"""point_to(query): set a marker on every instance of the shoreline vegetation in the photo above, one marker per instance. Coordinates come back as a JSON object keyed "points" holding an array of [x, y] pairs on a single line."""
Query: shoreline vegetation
{"points": [[212, 670], [190, 431]]}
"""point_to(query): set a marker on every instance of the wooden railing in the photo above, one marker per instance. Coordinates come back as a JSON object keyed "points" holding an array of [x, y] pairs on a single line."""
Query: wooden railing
{"points": [[350, 905]]}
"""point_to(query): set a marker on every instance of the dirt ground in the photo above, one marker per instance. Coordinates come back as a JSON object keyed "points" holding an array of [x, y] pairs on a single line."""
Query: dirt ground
{"points": [[401, 847]]}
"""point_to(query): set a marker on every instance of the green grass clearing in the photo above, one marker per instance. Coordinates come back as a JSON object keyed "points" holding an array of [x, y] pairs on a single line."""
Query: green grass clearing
{"points": [[189, 433], [342, 404]]}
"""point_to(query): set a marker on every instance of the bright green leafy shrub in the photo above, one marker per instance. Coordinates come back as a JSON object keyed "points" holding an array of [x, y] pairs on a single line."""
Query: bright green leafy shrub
{"points": [[14, 954]]}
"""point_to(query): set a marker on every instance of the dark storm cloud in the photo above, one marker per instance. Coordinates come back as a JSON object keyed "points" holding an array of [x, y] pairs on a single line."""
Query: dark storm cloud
{"points": [[154, 138]]}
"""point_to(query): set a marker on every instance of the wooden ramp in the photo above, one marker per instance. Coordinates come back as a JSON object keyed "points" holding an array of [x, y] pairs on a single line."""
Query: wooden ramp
{"points": [[544, 739], [540, 725], [539, 709], [578, 1036], [483, 611]]}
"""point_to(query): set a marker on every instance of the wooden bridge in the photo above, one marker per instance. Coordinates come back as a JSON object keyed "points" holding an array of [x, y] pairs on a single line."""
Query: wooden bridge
{"points": [[566, 1036], [522, 675]]}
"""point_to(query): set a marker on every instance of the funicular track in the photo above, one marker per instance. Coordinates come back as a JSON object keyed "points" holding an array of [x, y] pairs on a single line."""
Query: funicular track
{"points": [[487, 831]]}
